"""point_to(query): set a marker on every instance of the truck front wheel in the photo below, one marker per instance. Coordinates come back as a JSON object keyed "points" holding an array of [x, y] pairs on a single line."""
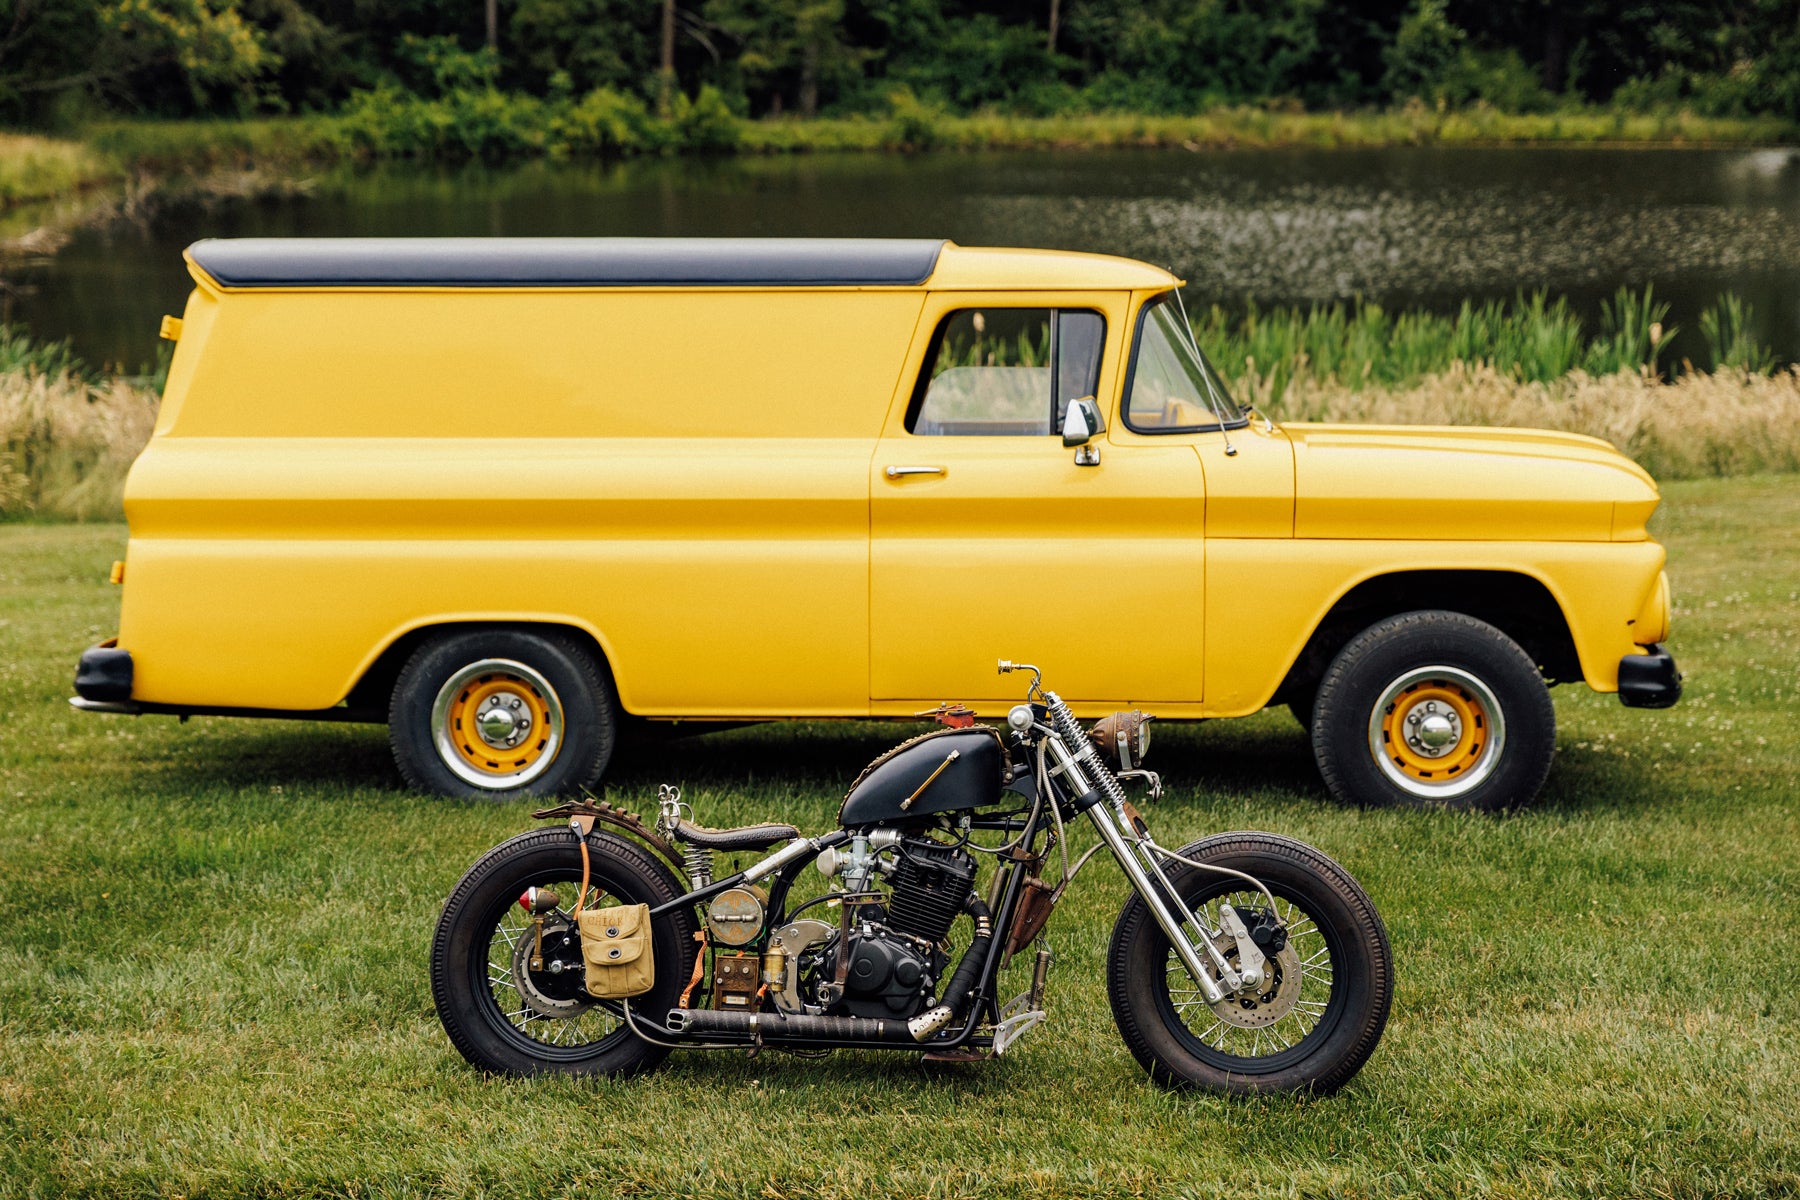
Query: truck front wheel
{"points": [[1434, 710], [502, 713]]}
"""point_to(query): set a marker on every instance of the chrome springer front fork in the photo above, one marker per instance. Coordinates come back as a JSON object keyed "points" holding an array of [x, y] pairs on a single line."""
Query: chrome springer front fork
{"points": [[1136, 858]]}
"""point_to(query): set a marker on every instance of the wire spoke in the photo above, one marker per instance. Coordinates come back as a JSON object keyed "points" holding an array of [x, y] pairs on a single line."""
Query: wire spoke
{"points": [[549, 1018], [1301, 985]]}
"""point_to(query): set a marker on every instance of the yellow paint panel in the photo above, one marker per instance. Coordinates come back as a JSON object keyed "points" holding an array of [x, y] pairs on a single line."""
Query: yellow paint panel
{"points": [[469, 364], [1288, 588], [719, 573]]}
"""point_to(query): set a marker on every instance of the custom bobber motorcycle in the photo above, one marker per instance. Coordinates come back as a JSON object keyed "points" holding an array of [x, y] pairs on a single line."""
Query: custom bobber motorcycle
{"points": [[1243, 962]]}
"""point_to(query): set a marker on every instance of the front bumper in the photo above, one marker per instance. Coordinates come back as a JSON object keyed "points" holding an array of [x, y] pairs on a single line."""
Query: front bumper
{"points": [[1649, 680]]}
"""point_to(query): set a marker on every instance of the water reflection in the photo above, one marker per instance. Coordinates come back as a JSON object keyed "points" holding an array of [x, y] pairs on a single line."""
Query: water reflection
{"points": [[1409, 226]]}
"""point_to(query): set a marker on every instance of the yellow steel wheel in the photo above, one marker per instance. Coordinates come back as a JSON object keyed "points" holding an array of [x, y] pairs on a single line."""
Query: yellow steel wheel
{"points": [[497, 723], [1437, 732]]}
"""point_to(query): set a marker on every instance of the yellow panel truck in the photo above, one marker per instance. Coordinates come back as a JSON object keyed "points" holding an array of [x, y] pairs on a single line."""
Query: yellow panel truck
{"points": [[507, 496]]}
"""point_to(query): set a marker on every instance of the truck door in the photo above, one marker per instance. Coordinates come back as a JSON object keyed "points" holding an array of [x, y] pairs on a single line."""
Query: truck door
{"points": [[991, 539]]}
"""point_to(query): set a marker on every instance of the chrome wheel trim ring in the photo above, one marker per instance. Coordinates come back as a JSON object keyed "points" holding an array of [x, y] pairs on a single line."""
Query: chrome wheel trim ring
{"points": [[444, 740], [1485, 765]]}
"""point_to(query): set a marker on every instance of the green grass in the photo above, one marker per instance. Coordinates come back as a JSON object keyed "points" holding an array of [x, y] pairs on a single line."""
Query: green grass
{"points": [[40, 168], [213, 938]]}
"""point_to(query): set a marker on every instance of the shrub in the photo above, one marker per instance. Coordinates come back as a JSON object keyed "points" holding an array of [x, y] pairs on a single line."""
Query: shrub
{"points": [[706, 123]]}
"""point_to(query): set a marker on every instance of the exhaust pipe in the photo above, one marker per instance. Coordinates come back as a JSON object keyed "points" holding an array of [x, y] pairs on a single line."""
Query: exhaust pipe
{"points": [[778, 1027]]}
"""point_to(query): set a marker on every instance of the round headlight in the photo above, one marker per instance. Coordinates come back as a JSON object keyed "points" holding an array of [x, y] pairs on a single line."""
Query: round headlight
{"points": [[1124, 738]]}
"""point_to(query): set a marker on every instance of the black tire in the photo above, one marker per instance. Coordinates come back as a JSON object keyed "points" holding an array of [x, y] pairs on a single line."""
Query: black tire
{"points": [[564, 696], [468, 936], [1495, 707], [1349, 1021]]}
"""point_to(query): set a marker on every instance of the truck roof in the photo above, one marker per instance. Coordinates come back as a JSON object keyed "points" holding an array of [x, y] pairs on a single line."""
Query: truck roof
{"points": [[283, 263]]}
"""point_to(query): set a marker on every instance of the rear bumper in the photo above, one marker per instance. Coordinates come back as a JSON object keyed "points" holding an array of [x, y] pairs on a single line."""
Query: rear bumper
{"points": [[104, 674], [103, 682], [1649, 680]]}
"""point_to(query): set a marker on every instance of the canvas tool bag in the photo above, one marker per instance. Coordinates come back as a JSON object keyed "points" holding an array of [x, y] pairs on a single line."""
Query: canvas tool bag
{"points": [[616, 949], [617, 955]]}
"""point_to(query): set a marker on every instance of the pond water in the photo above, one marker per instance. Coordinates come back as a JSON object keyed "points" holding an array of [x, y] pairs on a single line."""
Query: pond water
{"points": [[1406, 226]]}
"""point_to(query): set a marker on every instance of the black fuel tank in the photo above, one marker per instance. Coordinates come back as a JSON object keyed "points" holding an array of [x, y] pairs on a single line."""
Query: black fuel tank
{"points": [[974, 779]]}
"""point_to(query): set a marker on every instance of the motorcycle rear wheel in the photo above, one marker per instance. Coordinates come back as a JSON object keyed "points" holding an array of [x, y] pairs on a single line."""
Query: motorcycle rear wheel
{"points": [[1329, 994], [535, 1023]]}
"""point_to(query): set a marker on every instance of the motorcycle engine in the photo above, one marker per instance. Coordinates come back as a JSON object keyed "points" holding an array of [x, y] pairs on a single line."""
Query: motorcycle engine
{"points": [[897, 951]]}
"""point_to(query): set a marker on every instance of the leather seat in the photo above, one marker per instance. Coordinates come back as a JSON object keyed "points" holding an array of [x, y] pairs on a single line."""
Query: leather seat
{"points": [[749, 837]]}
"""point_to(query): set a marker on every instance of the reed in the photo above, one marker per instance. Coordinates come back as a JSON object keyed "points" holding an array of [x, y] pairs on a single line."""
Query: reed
{"points": [[66, 442], [1361, 344], [1697, 425]]}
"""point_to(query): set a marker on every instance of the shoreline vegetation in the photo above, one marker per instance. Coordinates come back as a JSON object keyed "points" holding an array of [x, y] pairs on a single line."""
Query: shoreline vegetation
{"points": [[69, 434], [500, 127], [50, 186]]}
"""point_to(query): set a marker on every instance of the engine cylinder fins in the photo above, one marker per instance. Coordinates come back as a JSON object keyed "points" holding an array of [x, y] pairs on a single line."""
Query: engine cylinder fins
{"points": [[931, 885]]}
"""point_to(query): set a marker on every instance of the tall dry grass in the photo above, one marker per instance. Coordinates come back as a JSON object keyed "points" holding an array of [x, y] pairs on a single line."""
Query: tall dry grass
{"points": [[1729, 422], [66, 443]]}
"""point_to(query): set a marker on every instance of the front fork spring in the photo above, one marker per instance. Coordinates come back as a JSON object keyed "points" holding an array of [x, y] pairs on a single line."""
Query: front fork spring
{"points": [[1076, 739]]}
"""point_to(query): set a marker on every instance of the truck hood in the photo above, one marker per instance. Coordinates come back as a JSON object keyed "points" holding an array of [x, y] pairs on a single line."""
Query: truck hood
{"points": [[1459, 483]]}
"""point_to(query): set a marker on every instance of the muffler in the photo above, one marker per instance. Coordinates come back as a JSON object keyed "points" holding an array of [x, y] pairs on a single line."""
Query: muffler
{"points": [[781, 1027]]}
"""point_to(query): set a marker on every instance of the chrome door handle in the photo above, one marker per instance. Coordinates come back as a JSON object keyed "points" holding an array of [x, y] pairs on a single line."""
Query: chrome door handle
{"points": [[898, 472]]}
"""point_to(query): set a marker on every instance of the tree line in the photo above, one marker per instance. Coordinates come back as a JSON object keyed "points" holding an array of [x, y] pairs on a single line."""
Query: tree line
{"points": [[66, 61]]}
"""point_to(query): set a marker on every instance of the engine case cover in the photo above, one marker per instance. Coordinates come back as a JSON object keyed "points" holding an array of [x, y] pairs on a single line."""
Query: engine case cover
{"points": [[888, 977], [975, 779]]}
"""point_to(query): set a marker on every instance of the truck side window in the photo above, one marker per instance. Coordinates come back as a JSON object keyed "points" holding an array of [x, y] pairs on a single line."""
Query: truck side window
{"points": [[1006, 372]]}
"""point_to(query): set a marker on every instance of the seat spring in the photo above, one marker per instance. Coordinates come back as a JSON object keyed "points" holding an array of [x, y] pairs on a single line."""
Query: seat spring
{"points": [[697, 861]]}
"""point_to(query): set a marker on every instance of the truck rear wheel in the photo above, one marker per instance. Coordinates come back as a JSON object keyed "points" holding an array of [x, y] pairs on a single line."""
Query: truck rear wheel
{"points": [[1434, 710], [502, 713]]}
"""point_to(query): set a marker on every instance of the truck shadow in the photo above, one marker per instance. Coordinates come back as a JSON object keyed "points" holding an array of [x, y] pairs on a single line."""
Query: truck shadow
{"points": [[811, 756]]}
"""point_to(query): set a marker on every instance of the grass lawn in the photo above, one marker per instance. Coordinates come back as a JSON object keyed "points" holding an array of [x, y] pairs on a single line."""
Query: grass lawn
{"points": [[213, 939]]}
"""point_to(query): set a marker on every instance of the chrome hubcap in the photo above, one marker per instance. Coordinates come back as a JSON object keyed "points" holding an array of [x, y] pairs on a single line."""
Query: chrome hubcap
{"points": [[1432, 729], [503, 721]]}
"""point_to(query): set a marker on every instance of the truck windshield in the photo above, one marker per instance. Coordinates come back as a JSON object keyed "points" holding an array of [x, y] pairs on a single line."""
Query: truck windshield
{"points": [[1173, 388]]}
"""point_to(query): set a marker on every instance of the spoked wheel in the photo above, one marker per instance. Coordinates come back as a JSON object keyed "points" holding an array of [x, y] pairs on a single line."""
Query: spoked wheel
{"points": [[506, 1014], [1281, 1014], [1321, 1008], [548, 1003]]}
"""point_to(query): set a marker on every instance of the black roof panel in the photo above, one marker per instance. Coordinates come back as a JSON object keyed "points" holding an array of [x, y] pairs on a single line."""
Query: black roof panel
{"points": [[565, 262]]}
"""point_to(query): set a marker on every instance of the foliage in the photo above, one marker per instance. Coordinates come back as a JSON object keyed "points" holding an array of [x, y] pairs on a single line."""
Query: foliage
{"points": [[60, 60], [36, 168], [65, 442], [21, 354]]}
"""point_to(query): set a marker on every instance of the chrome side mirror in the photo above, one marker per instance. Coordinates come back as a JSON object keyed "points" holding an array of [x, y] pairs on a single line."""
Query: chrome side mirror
{"points": [[1082, 422]]}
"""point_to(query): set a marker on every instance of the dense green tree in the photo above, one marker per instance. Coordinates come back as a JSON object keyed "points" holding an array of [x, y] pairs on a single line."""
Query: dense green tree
{"points": [[177, 57]]}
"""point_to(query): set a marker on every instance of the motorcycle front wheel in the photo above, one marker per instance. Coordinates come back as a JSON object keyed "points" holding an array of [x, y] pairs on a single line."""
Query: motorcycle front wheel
{"points": [[1324, 1004], [508, 1017]]}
